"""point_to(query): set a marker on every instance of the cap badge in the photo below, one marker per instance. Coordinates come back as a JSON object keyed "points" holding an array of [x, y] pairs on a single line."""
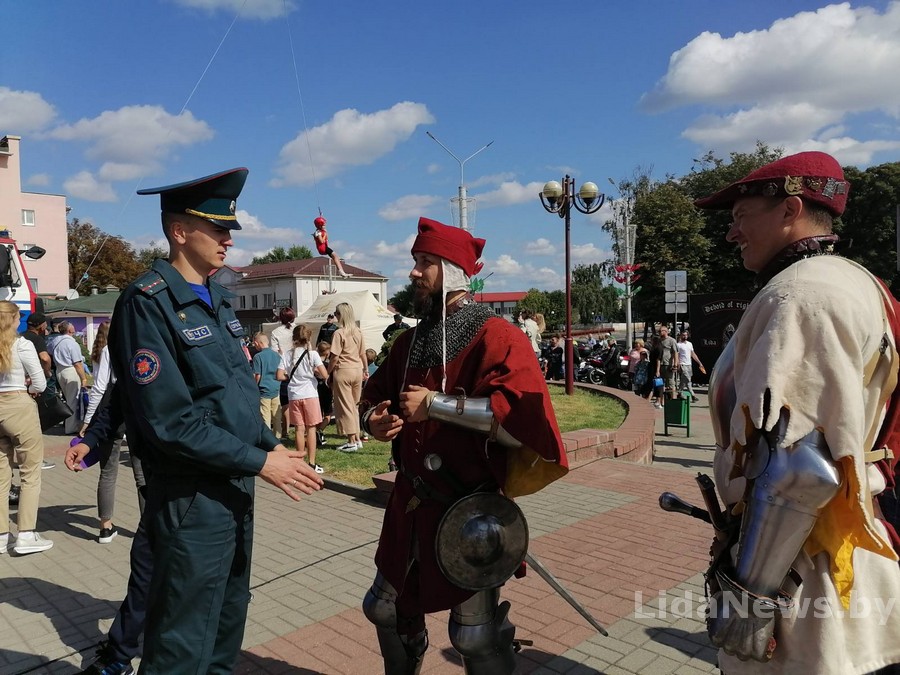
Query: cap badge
{"points": [[793, 185], [833, 187], [742, 189], [232, 206], [814, 184], [770, 190]]}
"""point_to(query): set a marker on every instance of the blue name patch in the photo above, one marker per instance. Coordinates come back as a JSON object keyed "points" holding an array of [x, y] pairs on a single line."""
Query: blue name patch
{"points": [[235, 327], [196, 334]]}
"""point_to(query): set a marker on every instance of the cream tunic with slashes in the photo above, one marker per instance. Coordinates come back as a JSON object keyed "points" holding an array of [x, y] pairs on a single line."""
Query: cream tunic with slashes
{"points": [[808, 338]]}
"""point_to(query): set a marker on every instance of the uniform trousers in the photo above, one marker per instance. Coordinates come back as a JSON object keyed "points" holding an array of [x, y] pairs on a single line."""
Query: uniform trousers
{"points": [[22, 443], [200, 532]]}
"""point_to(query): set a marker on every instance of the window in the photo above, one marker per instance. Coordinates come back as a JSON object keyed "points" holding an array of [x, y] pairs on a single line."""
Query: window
{"points": [[34, 284], [268, 299], [242, 302], [28, 217], [254, 302]]}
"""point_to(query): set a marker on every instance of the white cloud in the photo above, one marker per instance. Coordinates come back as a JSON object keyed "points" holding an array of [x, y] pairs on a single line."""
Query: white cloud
{"points": [[397, 251], [588, 253], [540, 247], [494, 179], [252, 9], [24, 112], [132, 141], [253, 228], [84, 185], [510, 193], [349, 139], [409, 206], [39, 180], [796, 83], [432, 169], [505, 264]]}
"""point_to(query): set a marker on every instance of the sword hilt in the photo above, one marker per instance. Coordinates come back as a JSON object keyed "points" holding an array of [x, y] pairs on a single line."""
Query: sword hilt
{"points": [[669, 501]]}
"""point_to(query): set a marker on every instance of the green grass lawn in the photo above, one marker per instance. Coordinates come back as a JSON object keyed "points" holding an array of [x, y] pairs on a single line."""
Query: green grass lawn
{"points": [[584, 410]]}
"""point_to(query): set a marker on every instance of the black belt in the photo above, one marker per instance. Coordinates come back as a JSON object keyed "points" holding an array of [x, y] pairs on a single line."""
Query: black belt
{"points": [[423, 490]]}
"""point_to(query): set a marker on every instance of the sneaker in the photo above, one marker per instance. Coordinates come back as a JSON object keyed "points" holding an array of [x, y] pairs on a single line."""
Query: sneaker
{"points": [[320, 439], [317, 468], [349, 447], [47, 464], [14, 495], [105, 663], [107, 534], [694, 399], [657, 406], [4, 542], [364, 437], [31, 542]]}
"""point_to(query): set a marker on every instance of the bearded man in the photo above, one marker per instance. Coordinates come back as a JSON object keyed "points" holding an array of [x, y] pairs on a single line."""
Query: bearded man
{"points": [[804, 578], [464, 403]]}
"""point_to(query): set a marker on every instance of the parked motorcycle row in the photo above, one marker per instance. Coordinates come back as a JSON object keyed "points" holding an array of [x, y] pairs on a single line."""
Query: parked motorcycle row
{"points": [[596, 365]]}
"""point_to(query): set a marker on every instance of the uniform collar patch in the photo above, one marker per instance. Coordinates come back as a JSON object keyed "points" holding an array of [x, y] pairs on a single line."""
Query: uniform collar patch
{"points": [[197, 334], [144, 366]]}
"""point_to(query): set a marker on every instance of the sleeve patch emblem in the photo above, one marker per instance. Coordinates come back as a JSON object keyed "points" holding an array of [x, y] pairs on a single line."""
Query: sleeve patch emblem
{"points": [[235, 327], [145, 366], [197, 334]]}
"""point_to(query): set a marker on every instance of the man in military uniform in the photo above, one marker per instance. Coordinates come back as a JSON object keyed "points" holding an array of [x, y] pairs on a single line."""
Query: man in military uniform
{"points": [[191, 408], [804, 579], [467, 409]]}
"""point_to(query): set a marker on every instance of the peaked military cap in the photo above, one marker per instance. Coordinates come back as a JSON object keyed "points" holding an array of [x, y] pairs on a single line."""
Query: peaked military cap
{"points": [[211, 197], [814, 176]]}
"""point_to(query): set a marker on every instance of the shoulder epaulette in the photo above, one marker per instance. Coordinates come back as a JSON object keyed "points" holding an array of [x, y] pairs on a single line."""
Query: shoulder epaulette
{"points": [[150, 283]]}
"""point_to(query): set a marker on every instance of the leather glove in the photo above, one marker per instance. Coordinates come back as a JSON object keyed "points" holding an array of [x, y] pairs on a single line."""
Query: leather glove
{"points": [[741, 623]]}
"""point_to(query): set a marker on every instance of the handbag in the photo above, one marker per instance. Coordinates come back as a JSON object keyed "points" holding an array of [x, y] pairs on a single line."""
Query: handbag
{"points": [[52, 409], [283, 389], [658, 382]]}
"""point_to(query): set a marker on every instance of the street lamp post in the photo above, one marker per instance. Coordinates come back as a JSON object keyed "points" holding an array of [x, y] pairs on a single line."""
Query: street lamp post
{"points": [[559, 199]]}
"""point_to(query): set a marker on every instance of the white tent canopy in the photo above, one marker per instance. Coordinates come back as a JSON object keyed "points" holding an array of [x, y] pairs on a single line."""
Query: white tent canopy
{"points": [[371, 317]]}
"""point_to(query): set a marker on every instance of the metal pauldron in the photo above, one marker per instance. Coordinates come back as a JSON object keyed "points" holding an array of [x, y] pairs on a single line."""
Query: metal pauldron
{"points": [[790, 487], [469, 413]]}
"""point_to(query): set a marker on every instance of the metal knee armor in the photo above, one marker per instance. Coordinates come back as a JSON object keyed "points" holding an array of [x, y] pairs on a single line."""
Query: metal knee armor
{"points": [[402, 654], [483, 635]]}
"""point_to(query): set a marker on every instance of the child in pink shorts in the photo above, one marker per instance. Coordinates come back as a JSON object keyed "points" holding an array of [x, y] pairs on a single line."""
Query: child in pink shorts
{"points": [[300, 367]]}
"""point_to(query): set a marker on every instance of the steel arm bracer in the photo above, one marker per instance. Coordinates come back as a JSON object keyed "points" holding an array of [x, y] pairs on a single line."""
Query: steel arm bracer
{"points": [[469, 413], [790, 487]]}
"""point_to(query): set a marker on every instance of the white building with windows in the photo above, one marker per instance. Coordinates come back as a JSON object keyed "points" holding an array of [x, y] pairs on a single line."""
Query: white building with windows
{"points": [[262, 290], [34, 219]]}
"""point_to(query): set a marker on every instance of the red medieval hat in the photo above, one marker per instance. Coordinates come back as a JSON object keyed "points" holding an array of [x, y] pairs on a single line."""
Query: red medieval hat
{"points": [[815, 176], [450, 243]]}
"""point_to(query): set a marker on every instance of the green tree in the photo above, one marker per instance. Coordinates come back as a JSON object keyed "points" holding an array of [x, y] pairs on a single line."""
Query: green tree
{"points": [[402, 300], [151, 252], [280, 254], [590, 297], [670, 237], [534, 300], [870, 220], [99, 259]]}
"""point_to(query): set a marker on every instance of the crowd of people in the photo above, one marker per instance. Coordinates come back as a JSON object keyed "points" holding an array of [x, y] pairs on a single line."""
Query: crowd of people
{"points": [[465, 406]]}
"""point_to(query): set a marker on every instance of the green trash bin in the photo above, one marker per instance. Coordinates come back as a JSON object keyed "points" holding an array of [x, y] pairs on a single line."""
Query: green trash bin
{"points": [[677, 413]]}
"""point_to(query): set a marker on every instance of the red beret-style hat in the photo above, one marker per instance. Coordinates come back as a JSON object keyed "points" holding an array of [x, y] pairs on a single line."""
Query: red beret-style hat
{"points": [[814, 176], [450, 243]]}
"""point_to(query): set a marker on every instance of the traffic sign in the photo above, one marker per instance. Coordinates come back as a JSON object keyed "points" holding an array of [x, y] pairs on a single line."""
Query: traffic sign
{"points": [[676, 280], [676, 308], [676, 296]]}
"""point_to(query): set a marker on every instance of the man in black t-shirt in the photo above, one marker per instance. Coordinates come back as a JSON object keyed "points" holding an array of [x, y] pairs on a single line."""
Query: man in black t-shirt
{"points": [[326, 332], [37, 328]]}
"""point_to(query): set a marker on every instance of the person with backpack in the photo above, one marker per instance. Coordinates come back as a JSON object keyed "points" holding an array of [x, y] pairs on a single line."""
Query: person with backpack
{"points": [[803, 577]]}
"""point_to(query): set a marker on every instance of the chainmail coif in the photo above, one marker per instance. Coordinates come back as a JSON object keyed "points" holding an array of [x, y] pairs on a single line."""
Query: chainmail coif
{"points": [[462, 327]]}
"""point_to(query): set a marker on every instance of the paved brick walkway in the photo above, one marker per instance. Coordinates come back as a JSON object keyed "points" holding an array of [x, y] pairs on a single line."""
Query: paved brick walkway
{"points": [[599, 530]]}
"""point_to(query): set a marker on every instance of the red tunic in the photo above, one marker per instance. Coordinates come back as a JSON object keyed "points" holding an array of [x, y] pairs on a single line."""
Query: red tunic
{"points": [[498, 363], [321, 239]]}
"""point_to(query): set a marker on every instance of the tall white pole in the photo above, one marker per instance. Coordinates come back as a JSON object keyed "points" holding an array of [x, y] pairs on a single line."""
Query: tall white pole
{"points": [[463, 206], [629, 259]]}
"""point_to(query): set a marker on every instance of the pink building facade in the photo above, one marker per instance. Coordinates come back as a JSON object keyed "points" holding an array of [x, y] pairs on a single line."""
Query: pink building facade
{"points": [[34, 219]]}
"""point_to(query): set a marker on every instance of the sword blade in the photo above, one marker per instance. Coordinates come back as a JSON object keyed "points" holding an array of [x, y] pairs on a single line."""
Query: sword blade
{"points": [[545, 574]]}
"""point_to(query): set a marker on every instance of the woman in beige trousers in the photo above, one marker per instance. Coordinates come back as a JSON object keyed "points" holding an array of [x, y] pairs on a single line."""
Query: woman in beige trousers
{"points": [[347, 370]]}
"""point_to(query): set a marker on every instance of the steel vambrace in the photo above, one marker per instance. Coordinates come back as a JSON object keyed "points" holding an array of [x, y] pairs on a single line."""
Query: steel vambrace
{"points": [[469, 413]]}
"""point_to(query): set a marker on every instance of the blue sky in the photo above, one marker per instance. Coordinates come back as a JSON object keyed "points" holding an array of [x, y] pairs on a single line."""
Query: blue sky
{"points": [[111, 97]]}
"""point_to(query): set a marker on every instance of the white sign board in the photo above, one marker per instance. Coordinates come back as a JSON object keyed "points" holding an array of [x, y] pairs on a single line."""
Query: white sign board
{"points": [[676, 308], [676, 296], [676, 280]]}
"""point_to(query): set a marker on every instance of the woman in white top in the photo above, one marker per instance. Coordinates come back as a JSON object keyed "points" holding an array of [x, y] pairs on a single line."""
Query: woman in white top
{"points": [[300, 367], [110, 451], [20, 432]]}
